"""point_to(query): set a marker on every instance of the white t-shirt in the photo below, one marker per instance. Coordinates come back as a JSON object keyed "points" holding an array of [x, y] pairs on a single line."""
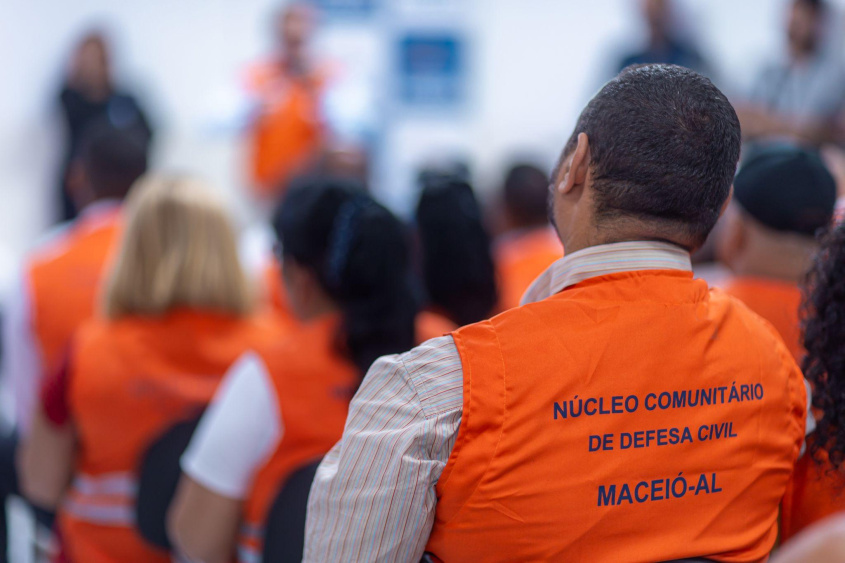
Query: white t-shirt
{"points": [[238, 433]]}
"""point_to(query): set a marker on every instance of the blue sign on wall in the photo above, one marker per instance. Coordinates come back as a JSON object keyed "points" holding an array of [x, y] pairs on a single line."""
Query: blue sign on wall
{"points": [[346, 8], [432, 70]]}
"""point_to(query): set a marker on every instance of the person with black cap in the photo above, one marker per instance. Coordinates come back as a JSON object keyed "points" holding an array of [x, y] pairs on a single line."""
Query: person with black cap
{"points": [[782, 198]]}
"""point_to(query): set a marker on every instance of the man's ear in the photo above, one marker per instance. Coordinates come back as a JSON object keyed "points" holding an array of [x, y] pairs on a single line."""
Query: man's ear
{"points": [[731, 236], [577, 167], [728, 201]]}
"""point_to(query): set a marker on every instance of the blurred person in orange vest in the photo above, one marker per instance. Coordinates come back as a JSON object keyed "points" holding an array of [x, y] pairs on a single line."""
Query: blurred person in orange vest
{"points": [[818, 485], [176, 316], [782, 197], [456, 259], [346, 269], [529, 244], [287, 132], [61, 277], [625, 412]]}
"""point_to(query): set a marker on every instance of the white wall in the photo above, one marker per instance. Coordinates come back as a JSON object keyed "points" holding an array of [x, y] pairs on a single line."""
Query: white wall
{"points": [[534, 63]]}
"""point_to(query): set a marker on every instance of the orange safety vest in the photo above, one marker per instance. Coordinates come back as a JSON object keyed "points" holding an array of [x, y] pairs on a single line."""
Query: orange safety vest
{"points": [[815, 492], [313, 385], [130, 380], [776, 301], [65, 280], [631, 417], [520, 259], [288, 132]]}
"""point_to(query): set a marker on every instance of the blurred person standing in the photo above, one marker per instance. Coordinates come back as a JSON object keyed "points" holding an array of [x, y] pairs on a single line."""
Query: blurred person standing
{"points": [[799, 96], [345, 265], [664, 42], [513, 439], [782, 198], [529, 244], [89, 94], [286, 133], [176, 315]]}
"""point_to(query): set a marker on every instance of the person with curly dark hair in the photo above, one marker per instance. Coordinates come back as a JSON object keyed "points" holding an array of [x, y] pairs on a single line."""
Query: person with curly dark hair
{"points": [[818, 485]]}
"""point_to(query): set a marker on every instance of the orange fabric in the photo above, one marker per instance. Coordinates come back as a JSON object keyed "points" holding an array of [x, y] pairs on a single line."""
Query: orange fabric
{"points": [[288, 132], [432, 325], [521, 483], [815, 492], [313, 385], [520, 259], [130, 381], [776, 301], [65, 280]]}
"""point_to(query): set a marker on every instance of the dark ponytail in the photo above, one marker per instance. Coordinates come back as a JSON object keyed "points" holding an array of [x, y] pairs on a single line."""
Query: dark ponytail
{"points": [[359, 253], [824, 340], [457, 261]]}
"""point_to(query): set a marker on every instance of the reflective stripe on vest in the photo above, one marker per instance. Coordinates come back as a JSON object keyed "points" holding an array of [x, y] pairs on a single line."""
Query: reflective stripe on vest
{"points": [[250, 544], [107, 499]]}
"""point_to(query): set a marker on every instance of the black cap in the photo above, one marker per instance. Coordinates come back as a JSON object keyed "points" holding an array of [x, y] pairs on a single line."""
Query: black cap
{"points": [[787, 189]]}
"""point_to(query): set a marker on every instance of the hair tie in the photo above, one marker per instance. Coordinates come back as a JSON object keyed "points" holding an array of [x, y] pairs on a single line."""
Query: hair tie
{"points": [[342, 235]]}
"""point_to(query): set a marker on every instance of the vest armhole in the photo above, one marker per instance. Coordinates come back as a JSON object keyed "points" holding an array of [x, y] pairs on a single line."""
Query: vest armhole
{"points": [[463, 428]]}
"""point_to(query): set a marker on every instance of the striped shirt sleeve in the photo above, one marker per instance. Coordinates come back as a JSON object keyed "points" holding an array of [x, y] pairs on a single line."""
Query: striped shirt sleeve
{"points": [[373, 498]]}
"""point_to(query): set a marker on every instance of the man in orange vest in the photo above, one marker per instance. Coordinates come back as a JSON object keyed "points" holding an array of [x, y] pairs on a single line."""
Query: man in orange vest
{"points": [[287, 132], [782, 197], [626, 413], [529, 245]]}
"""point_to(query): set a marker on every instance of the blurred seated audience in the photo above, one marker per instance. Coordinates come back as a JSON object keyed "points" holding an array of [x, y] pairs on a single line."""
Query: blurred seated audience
{"points": [[286, 134], [88, 95], [782, 198], [817, 489], [456, 259], [665, 43], [345, 263], [176, 316], [800, 95], [529, 244]]}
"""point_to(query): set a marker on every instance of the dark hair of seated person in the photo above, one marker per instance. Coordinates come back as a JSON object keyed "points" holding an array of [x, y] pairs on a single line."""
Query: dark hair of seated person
{"points": [[457, 263], [824, 341], [359, 253]]}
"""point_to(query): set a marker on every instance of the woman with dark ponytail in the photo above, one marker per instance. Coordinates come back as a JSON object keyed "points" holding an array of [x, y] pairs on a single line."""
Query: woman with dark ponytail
{"points": [[345, 268], [818, 485]]}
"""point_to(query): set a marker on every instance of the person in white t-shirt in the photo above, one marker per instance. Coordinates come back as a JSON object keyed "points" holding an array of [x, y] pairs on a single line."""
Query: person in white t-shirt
{"points": [[346, 271]]}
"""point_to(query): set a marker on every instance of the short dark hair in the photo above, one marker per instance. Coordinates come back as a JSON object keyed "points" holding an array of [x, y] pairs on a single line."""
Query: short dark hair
{"points": [[526, 195], [113, 158], [664, 144]]}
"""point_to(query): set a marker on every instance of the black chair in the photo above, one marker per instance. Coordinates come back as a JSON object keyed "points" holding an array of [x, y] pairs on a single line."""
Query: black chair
{"points": [[284, 531], [158, 477]]}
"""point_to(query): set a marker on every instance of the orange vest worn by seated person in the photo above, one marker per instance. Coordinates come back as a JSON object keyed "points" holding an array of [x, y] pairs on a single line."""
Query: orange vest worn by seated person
{"points": [[520, 258], [130, 380], [65, 278], [778, 302], [314, 385], [631, 417]]}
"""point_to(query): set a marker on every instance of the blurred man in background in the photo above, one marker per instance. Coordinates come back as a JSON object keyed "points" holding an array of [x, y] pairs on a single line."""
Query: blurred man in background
{"points": [[89, 94], [286, 134], [528, 245], [664, 42], [782, 197], [61, 277], [800, 96]]}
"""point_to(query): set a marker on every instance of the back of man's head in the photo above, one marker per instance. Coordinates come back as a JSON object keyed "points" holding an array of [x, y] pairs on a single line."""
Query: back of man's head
{"points": [[526, 196], [112, 159], [664, 143]]}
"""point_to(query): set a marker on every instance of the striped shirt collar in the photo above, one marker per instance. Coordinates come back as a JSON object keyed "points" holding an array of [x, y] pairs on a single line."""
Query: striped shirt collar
{"points": [[606, 259]]}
